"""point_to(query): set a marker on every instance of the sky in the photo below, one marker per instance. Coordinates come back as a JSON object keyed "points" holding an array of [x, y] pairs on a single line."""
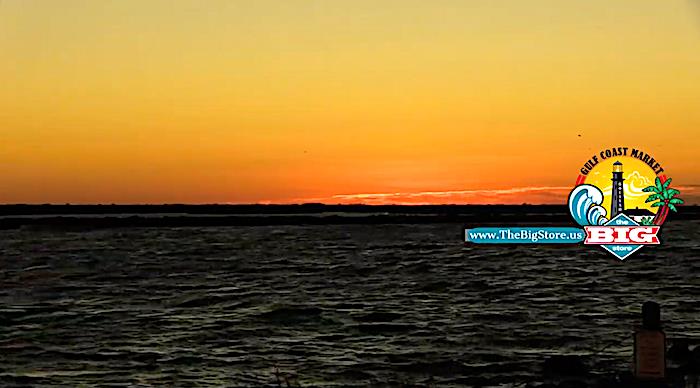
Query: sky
{"points": [[358, 101]]}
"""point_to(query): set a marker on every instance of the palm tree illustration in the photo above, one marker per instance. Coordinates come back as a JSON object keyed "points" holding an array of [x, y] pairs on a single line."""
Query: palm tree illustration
{"points": [[647, 221], [664, 197]]}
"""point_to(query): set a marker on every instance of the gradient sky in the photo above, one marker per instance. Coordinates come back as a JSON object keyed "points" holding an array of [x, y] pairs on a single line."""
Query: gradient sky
{"points": [[156, 101]]}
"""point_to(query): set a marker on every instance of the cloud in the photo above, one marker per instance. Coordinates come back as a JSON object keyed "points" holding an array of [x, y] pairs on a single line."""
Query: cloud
{"points": [[634, 184], [517, 195]]}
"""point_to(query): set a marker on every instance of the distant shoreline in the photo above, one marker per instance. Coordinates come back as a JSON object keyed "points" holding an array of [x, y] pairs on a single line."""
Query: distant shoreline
{"points": [[148, 216]]}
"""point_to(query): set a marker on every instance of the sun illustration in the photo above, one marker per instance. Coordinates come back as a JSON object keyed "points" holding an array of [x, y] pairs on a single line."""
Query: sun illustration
{"points": [[637, 176]]}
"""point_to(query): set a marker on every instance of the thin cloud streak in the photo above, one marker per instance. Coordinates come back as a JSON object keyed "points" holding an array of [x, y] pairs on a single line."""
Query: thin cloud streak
{"points": [[516, 195], [456, 192], [536, 195]]}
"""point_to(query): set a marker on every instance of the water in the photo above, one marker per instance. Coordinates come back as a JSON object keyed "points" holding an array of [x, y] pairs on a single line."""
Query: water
{"points": [[357, 305]]}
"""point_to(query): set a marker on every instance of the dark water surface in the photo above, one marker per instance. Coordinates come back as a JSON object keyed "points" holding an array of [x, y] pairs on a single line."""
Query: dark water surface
{"points": [[338, 305]]}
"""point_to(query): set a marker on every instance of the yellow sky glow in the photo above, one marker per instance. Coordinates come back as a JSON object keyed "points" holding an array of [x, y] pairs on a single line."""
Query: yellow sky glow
{"points": [[162, 101]]}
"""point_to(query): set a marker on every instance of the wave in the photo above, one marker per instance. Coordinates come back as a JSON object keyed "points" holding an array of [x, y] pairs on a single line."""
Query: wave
{"points": [[585, 205]]}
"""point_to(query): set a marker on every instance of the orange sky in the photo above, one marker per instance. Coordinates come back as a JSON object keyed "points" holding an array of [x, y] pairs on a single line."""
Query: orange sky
{"points": [[160, 101]]}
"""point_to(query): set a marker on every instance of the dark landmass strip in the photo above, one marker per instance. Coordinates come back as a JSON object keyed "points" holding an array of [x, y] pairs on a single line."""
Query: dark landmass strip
{"points": [[118, 216]]}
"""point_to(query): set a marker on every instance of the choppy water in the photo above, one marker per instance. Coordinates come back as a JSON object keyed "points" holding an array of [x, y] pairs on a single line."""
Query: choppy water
{"points": [[333, 305]]}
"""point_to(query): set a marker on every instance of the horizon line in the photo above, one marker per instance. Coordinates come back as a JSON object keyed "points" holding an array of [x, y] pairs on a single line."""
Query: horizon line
{"points": [[294, 204]]}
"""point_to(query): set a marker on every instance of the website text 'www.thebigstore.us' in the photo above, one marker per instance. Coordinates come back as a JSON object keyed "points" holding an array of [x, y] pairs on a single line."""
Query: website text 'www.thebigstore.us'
{"points": [[524, 235]]}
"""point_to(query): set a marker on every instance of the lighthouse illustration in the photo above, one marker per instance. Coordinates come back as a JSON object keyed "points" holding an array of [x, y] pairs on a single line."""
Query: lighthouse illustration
{"points": [[618, 195]]}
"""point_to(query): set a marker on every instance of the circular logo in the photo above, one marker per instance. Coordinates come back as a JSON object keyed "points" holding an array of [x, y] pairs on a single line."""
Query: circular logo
{"points": [[627, 181]]}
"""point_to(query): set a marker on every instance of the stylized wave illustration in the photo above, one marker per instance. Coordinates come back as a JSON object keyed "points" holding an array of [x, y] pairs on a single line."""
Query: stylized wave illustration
{"points": [[585, 205]]}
